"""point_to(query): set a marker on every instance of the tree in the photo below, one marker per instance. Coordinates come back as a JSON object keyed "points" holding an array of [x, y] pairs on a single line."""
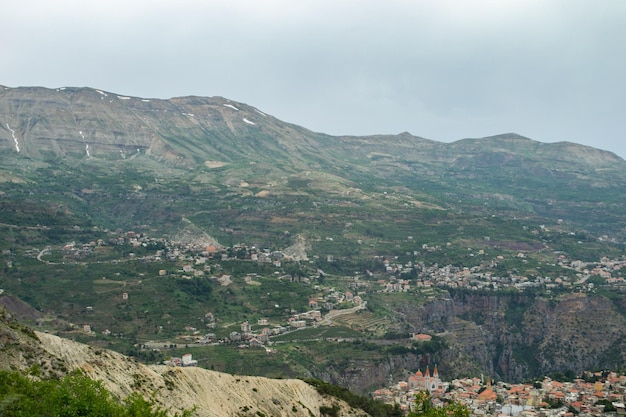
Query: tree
{"points": [[424, 408]]}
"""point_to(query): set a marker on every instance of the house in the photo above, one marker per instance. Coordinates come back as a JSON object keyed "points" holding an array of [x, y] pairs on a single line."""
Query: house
{"points": [[298, 324], [188, 361], [254, 342]]}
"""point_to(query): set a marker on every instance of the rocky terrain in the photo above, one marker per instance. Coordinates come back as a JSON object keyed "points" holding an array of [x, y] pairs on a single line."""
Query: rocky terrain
{"points": [[516, 336], [206, 392]]}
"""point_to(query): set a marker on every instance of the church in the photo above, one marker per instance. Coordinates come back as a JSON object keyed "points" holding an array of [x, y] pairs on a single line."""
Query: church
{"points": [[425, 381]]}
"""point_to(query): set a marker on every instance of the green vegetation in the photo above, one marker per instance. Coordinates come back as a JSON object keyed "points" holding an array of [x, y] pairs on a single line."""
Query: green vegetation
{"points": [[73, 395], [608, 405], [322, 332], [511, 214], [424, 408], [371, 407]]}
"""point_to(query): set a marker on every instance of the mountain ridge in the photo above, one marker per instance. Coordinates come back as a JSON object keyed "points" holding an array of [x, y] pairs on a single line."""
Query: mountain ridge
{"points": [[232, 148], [208, 112]]}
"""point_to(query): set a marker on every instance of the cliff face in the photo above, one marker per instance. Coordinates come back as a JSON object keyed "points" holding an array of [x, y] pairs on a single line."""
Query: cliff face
{"points": [[363, 376], [517, 336]]}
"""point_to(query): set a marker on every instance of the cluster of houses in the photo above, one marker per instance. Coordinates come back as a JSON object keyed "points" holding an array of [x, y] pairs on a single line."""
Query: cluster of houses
{"points": [[185, 360], [482, 277], [254, 339], [71, 249], [609, 269], [591, 395], [485, 277]]}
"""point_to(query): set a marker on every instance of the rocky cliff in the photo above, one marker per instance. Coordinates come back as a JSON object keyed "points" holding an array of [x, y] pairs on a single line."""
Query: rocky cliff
{"points": [[510, 337], [518, 336]]}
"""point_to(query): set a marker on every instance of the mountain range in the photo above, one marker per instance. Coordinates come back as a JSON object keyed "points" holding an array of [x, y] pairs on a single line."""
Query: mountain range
{"points": [[220, 149]]}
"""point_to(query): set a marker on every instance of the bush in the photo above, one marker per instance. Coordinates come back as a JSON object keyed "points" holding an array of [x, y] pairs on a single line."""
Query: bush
{"points": [[73, 395], [372, 407]]}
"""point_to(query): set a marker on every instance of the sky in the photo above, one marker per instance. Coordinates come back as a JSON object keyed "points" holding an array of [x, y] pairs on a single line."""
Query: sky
{"points": [[550, 70]]}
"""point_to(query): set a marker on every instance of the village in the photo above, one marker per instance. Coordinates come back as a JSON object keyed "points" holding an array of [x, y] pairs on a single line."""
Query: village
{"points": [[193, 261], [199, 260], [592, 394]]}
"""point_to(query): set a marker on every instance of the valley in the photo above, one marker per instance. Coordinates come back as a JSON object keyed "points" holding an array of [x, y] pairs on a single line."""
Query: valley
{"points": [[163, 227], [236, 306]]}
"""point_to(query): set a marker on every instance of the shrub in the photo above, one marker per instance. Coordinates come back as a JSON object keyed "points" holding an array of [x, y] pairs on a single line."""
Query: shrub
{"points": [[73, 395]]}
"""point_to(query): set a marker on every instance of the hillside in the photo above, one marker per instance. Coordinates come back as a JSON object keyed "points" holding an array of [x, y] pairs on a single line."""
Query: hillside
{"points": [[129, 222], [103, 159], [82, 138], [206, 392]]}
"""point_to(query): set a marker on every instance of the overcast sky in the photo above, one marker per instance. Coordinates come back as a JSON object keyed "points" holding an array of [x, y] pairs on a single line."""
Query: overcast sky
{"points": [[551, 70]]}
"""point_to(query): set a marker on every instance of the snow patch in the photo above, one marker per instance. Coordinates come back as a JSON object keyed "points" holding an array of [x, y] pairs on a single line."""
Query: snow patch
{"points": [[260, 112], [145, 101], [249, 121], [102, 93], [231, 106], [188, 114], [80, 132], [123, 98], [17, 144]]}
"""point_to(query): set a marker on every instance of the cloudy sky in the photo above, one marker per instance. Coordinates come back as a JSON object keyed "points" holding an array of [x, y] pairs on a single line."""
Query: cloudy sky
{"points": [[551, 70]]}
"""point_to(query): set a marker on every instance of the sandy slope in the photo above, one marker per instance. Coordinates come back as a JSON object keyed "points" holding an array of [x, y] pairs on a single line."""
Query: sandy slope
{"points": [[212, 393]]}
